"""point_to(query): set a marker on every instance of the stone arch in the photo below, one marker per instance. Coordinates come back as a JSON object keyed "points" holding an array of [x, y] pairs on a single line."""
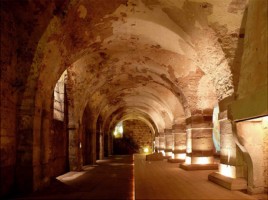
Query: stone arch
{"points": [[55, 53]]}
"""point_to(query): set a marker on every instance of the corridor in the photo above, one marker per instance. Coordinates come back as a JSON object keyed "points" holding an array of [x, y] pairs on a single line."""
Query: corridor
{"points": [[81, 80], [112, 178]]}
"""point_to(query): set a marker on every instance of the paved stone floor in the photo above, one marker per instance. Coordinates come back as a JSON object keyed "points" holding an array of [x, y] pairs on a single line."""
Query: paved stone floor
{"points": [[112, 178], [163, 180]]}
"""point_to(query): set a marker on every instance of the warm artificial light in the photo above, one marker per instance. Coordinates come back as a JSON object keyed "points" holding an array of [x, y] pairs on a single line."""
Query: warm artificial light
{"points": [[202, 160], [188, 160], [145, 149], [181, 156], [227, 170], [163, 152], [168, 153], [265, 122], [229, 155]]}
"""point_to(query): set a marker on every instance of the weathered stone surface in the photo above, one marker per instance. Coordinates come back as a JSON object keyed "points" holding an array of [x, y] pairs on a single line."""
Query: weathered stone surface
{"points": [[159, 62], [200, 121], [179, 141], [138, 134], [227, 182]]}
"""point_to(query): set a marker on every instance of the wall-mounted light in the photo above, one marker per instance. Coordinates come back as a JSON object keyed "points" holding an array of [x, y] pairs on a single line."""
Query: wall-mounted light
{"points": [[146, 150]]}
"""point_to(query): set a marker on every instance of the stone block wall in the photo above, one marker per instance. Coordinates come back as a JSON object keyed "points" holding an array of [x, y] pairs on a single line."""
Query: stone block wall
{"points": [[9, 85], [254, 138], [139, 132]]}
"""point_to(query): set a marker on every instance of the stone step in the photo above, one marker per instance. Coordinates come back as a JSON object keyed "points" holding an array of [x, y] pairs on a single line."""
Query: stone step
{"points": [[191, 167], [228, 182]]}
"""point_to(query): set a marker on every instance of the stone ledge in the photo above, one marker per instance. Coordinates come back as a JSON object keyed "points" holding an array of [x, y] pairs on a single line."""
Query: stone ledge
{"points": [[228, 182], [192, 167]]}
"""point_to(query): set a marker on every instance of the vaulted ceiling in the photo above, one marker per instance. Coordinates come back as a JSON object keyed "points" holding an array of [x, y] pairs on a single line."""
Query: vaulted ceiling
{"points": [[155, 60]]}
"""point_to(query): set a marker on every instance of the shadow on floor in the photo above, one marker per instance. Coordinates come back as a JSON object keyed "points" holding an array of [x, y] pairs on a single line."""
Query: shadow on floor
{"points": [[111, 178]]}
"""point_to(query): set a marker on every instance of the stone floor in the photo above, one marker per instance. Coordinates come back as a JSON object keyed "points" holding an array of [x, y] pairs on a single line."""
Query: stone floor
{"points": [[164, 180], [112, 178]]}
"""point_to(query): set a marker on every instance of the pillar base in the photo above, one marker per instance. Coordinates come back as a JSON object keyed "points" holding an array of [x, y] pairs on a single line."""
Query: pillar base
{"points": [[174, 160], [192, 167], [228, 182]]}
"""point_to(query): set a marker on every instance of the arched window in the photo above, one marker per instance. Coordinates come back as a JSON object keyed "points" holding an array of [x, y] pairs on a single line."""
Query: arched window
{"points": [[59, 93], [118, 131]]}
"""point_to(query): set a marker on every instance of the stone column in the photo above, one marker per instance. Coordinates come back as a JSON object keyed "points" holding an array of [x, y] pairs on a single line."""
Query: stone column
{"points": [[162, 144], [156, 144], [74, 163], [179, 143], [228, 154], [200, 148], [168, 142], [231, 158]]}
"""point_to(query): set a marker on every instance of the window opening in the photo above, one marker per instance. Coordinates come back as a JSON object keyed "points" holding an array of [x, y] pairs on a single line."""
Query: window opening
{"points": [[118, 131], [59, 92], [216, 129]]}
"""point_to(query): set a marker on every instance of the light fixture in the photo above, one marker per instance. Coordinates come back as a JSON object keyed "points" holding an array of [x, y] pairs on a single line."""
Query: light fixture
{"points": [[145, 149]]}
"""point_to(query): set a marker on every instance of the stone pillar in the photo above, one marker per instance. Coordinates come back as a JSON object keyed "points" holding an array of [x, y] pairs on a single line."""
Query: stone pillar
{"points": [[200, 148], [162, 144], [25, 152], [229, 157], [168, 142], [74, 152], [156, 144], [231, 166], [179, 143], [110, 143]]}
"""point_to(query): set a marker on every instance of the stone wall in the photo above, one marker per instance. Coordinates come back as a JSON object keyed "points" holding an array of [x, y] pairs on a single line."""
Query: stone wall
{"points": [[253, 73], [8, 88], [139, 132], [136, 136], [59, 158], [252, 96], [253, 136]]}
